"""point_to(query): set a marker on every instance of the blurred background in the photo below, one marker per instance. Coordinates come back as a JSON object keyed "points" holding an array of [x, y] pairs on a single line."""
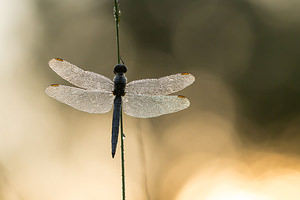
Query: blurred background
{"points": [[239, 140]]}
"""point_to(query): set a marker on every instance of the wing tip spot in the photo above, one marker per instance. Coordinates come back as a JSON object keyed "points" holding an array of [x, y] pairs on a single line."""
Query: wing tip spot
{"points": [[54, 85], [180, 96], [59, 59], [185, 73]]}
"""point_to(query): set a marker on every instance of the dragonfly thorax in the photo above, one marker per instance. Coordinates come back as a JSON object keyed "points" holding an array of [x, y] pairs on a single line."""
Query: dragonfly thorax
{"points": [[119, 87], [120, 80]]}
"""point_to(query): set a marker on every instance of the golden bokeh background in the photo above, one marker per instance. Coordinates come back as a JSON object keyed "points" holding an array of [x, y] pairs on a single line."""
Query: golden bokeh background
{"points": [[239, 140]]}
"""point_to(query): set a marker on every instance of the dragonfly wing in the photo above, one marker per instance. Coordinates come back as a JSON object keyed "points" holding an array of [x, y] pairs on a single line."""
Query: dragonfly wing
{"points": [[76, 76], [84, 100], [162, 86], [144, 106]]}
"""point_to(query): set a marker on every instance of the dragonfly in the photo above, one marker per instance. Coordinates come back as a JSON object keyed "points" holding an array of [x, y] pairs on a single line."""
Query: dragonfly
{"points": [[96, 93]]}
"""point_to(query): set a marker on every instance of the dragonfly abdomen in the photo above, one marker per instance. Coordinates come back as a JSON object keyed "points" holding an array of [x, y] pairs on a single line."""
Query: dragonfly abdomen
{"points": [[115, 124]]}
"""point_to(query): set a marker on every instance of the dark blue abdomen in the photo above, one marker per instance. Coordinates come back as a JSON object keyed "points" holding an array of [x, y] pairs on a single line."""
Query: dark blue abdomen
{"points": [[115, 124]]}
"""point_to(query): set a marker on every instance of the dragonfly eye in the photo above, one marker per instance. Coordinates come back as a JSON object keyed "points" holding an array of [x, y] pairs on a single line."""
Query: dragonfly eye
{"points": [[120, 69]]}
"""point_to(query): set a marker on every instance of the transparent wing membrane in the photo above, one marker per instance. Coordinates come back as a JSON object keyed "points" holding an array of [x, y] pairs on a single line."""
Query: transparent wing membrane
{"points": [[162, 86], [144, 106], [76, 76], [84, 100]]}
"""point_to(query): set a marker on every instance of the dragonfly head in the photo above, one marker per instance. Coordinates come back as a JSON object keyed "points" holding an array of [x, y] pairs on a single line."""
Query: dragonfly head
{"points": [[120, 69]]}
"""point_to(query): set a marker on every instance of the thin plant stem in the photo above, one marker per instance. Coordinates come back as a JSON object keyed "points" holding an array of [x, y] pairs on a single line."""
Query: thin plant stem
{"points": [[117, 20], [122, 157]]}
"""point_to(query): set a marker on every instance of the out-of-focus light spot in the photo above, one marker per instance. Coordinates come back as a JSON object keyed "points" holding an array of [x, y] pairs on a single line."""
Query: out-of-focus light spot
{"points": [[229, 180], [229, 192], [227, 184], [218, 188], [18, 33]]}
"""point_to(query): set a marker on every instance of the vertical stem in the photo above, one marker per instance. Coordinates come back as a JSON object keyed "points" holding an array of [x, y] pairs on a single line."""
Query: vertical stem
{"points": [[117, 20], [122, 156]]}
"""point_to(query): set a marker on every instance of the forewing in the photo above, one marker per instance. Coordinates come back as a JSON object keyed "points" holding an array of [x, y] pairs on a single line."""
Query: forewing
{"points": [[76, 76], [144, 106], [84, 100], [162, 86]]}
